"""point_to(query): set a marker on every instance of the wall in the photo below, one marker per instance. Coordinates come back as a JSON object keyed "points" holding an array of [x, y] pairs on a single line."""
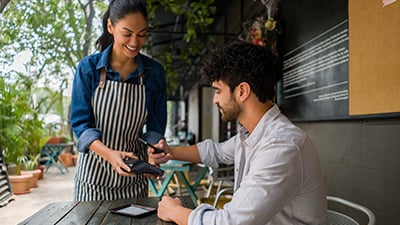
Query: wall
{"points": [[359, 157], [206, 106], [194, 112], [203, 115], [360, 160]]}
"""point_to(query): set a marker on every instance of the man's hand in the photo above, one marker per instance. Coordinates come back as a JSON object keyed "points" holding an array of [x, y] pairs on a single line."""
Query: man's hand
{"points": [[171, 209], [159, 158]]}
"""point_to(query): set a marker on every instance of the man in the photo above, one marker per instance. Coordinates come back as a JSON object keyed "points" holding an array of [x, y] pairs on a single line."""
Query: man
{"points": [[278, 179]]}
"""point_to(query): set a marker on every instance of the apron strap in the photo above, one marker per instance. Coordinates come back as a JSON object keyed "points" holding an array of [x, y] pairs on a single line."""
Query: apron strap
{"points": [[141, 78], [102, 77]]}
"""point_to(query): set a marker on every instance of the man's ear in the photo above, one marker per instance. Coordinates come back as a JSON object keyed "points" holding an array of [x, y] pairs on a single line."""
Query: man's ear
{"points": [[243, 91]]}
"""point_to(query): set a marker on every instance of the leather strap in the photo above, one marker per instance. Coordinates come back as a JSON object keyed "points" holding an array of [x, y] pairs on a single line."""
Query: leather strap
{"points": [[102, 77]]}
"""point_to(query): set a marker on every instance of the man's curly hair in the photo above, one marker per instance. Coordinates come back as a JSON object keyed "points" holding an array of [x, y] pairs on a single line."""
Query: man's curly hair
{"points": [[241, 61]]}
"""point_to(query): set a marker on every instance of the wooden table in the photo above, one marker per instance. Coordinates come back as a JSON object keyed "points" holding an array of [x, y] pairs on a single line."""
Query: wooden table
{"points": [[52, 152], [97, 212]]}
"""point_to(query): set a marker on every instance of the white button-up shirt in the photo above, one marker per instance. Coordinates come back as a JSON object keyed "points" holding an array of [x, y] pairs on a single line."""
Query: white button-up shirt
{"points": [[278, 178]]}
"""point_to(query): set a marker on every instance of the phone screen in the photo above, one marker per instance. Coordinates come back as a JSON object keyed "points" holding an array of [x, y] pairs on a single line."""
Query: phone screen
{"points": [[134, 210], [156, 150]]}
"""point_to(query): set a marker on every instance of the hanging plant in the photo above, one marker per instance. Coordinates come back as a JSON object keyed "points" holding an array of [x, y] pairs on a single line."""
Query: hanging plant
{"points": [[197, 17], [264, 30]]}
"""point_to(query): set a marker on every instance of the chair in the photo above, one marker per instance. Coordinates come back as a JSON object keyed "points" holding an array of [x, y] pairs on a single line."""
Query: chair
{"points": [[336, 217], [220, 180], [223, 196], [218, 177]]}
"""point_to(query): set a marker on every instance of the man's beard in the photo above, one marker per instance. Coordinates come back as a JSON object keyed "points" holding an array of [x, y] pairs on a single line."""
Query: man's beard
{"points": [[230, 112]]}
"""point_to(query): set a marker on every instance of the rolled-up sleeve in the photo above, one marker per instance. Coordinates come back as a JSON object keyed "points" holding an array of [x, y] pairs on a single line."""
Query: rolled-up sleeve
{"points": [[86, 138], [198, 215], [212, 153]]}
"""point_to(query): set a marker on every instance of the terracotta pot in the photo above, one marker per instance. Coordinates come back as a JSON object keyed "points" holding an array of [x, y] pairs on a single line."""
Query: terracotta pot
{"points": [[56, 140], [74, 159], [20, 183], [41, 168], [66, 158], [35, 177]]}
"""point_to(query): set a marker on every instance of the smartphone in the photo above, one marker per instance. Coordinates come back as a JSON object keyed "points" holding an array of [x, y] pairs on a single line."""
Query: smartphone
{"points": [[156, 150], [134, 210]]}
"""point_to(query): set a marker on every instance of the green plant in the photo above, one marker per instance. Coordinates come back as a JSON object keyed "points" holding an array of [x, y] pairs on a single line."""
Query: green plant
{"points": [[32, 163], [20, 129], [198, 17], [34, 132], [11, 113]]}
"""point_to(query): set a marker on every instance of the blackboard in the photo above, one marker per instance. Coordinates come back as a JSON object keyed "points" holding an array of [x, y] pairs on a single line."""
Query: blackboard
{"points": [[338, 61], [315, 52]]}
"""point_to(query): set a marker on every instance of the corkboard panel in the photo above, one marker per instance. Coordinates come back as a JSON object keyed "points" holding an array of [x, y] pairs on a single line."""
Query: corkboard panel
{"points": [[374, 66]]}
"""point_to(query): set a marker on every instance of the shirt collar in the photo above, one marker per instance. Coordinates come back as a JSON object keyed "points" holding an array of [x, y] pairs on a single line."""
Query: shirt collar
{"points": [[104, 60], [258, 131]]}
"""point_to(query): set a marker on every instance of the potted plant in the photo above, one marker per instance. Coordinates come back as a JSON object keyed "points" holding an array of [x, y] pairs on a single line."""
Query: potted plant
{"points": [[35, 135], [14, 154], [31, 167], [13, 107]]}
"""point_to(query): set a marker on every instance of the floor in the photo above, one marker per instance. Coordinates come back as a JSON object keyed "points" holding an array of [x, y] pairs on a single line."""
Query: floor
{"points": [[55, 187]]}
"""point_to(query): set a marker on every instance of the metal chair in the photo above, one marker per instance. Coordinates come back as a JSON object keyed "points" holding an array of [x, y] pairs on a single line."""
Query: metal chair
{"points": [[217, 177], [223, 196], [218, 180], [334, 216], [339, 218]]}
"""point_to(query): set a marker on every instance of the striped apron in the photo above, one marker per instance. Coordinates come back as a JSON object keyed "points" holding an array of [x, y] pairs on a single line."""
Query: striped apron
{"points": [[120, 112]]}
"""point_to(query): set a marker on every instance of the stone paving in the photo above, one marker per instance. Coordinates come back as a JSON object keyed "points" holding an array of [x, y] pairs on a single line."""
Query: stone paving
{"points": [[54, 187]]}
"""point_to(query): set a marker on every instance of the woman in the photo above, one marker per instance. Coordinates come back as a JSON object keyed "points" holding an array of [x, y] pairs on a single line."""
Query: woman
{"points": [[115, 93]]}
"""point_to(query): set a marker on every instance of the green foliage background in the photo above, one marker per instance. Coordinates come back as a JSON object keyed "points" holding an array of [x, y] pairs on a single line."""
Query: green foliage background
{"points": [[59, 33]]}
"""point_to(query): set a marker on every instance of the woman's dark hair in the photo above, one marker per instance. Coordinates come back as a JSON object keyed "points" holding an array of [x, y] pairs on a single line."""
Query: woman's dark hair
{"points": [[118, 9], [241, 61]]}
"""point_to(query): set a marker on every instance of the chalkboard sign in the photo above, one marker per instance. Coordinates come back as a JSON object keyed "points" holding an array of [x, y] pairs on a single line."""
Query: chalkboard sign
{"points": [[338, 62], [315, 51]]}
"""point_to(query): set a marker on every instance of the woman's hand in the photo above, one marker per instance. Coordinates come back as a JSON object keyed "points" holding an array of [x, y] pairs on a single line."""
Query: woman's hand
{"points": [[117, 158], [114, 157]]}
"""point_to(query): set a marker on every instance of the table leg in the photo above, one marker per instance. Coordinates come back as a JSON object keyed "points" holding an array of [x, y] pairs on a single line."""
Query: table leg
{"points": [[200, 177], [52, 161], [62, 164], [164, 186], [187, 185]]}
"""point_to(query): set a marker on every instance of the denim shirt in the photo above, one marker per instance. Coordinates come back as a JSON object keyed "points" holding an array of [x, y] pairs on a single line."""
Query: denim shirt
{"points": [[86, 80]]}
